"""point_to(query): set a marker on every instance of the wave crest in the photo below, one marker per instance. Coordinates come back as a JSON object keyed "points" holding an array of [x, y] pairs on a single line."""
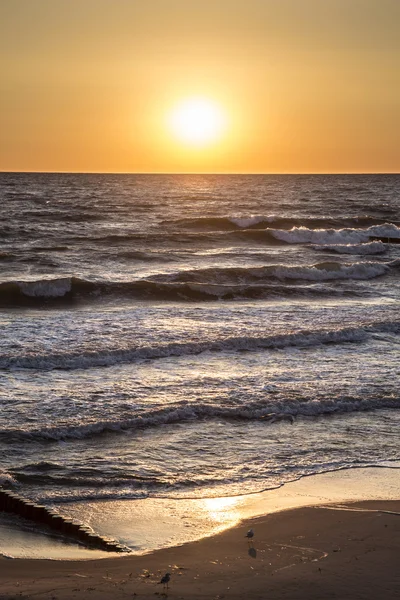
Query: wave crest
{"points": [[269, 413], [304, 235], [263, 222], [195, 285], [111, 356], [367, 248]]}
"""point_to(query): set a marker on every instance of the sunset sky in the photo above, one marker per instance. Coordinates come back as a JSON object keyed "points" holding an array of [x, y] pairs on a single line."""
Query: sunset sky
{"points": [[289, 85]]}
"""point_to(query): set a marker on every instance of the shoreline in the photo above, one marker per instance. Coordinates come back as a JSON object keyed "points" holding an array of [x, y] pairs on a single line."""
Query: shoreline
{"points": [[154, 524], [347, 551]]}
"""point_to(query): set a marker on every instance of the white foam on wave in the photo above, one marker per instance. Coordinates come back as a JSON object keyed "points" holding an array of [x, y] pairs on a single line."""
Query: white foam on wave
{"points": [[46, 288], [245, 222], [303, 235], [6, 478], [270, 413], [214, 281], [332, 270], [365, 249], [112, 356]]}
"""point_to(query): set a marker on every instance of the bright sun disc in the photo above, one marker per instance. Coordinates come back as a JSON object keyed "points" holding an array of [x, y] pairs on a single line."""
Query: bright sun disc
{"points": [[197, 121]]}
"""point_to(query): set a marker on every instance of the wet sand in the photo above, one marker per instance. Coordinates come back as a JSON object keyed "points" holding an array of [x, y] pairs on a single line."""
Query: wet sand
{"points": [[347, 551], [150, 524]]}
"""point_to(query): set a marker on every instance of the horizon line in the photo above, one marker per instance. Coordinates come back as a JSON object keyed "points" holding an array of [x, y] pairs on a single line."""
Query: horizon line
{"points": [[261, 173]]}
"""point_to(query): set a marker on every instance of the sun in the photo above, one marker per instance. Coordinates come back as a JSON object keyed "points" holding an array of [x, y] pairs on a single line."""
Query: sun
{"points": [[197, 121]]}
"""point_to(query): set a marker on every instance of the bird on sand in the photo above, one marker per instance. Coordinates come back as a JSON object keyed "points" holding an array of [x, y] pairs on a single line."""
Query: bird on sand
{"points": [[249, 535], [165, 579]]}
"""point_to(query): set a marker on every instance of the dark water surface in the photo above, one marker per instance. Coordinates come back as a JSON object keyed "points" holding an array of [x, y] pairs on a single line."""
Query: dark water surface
{"points": [[155, 330]]}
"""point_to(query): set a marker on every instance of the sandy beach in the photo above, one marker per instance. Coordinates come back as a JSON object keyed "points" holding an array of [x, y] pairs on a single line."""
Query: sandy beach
{"points": [[321, 537], [314, 552]]}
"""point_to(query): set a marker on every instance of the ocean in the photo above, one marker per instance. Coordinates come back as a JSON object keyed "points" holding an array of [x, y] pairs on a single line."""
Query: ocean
{"points": [[195, 336]]}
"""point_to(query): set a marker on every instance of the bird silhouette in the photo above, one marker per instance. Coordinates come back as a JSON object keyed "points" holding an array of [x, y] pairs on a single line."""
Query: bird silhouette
{"points": [[249, 535], [165, 580]]}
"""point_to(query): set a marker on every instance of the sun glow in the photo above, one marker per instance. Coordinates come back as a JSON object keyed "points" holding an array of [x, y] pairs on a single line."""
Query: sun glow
{"points": [[197, 121]]}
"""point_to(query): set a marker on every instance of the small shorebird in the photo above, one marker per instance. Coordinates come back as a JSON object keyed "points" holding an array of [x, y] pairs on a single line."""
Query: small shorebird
{"points": [[165, 580], [249, 535]]}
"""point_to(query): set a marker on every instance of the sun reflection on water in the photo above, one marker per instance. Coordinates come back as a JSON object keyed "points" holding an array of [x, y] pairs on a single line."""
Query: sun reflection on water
{"points": [[223, 510]]}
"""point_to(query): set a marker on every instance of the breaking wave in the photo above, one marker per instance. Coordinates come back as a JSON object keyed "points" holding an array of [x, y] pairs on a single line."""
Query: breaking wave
{"points": [[304, 235], [323, 271], [263, 222], [41, 288], [364, 249], [112, 356], [270, 412], [194, 285], [271, 233], [6, 479]]}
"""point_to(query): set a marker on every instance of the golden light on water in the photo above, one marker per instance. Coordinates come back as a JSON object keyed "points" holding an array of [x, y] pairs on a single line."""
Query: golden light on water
{"points": [[197, 121], [223, 509]]}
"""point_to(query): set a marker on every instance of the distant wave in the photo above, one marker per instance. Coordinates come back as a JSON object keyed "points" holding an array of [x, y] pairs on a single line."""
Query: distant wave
{"points": [[145, 256], [304, 235], [363, 249], [195, 284], [270, 412], [63, 216], [176, 238], [270, 235], [63, 292], [127, 354], [263, 222], [323, 271]]}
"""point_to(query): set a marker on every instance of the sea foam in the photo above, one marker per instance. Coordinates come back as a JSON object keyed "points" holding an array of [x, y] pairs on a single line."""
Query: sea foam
{"points": [[303, 235], [112, 356], [364, 249]]}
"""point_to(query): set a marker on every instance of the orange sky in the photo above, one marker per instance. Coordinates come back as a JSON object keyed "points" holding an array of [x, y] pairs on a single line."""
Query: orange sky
{"points": [[306, 85]]}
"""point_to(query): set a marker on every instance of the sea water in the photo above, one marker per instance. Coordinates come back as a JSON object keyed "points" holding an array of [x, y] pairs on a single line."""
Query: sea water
{"points": [[195, 336]]}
